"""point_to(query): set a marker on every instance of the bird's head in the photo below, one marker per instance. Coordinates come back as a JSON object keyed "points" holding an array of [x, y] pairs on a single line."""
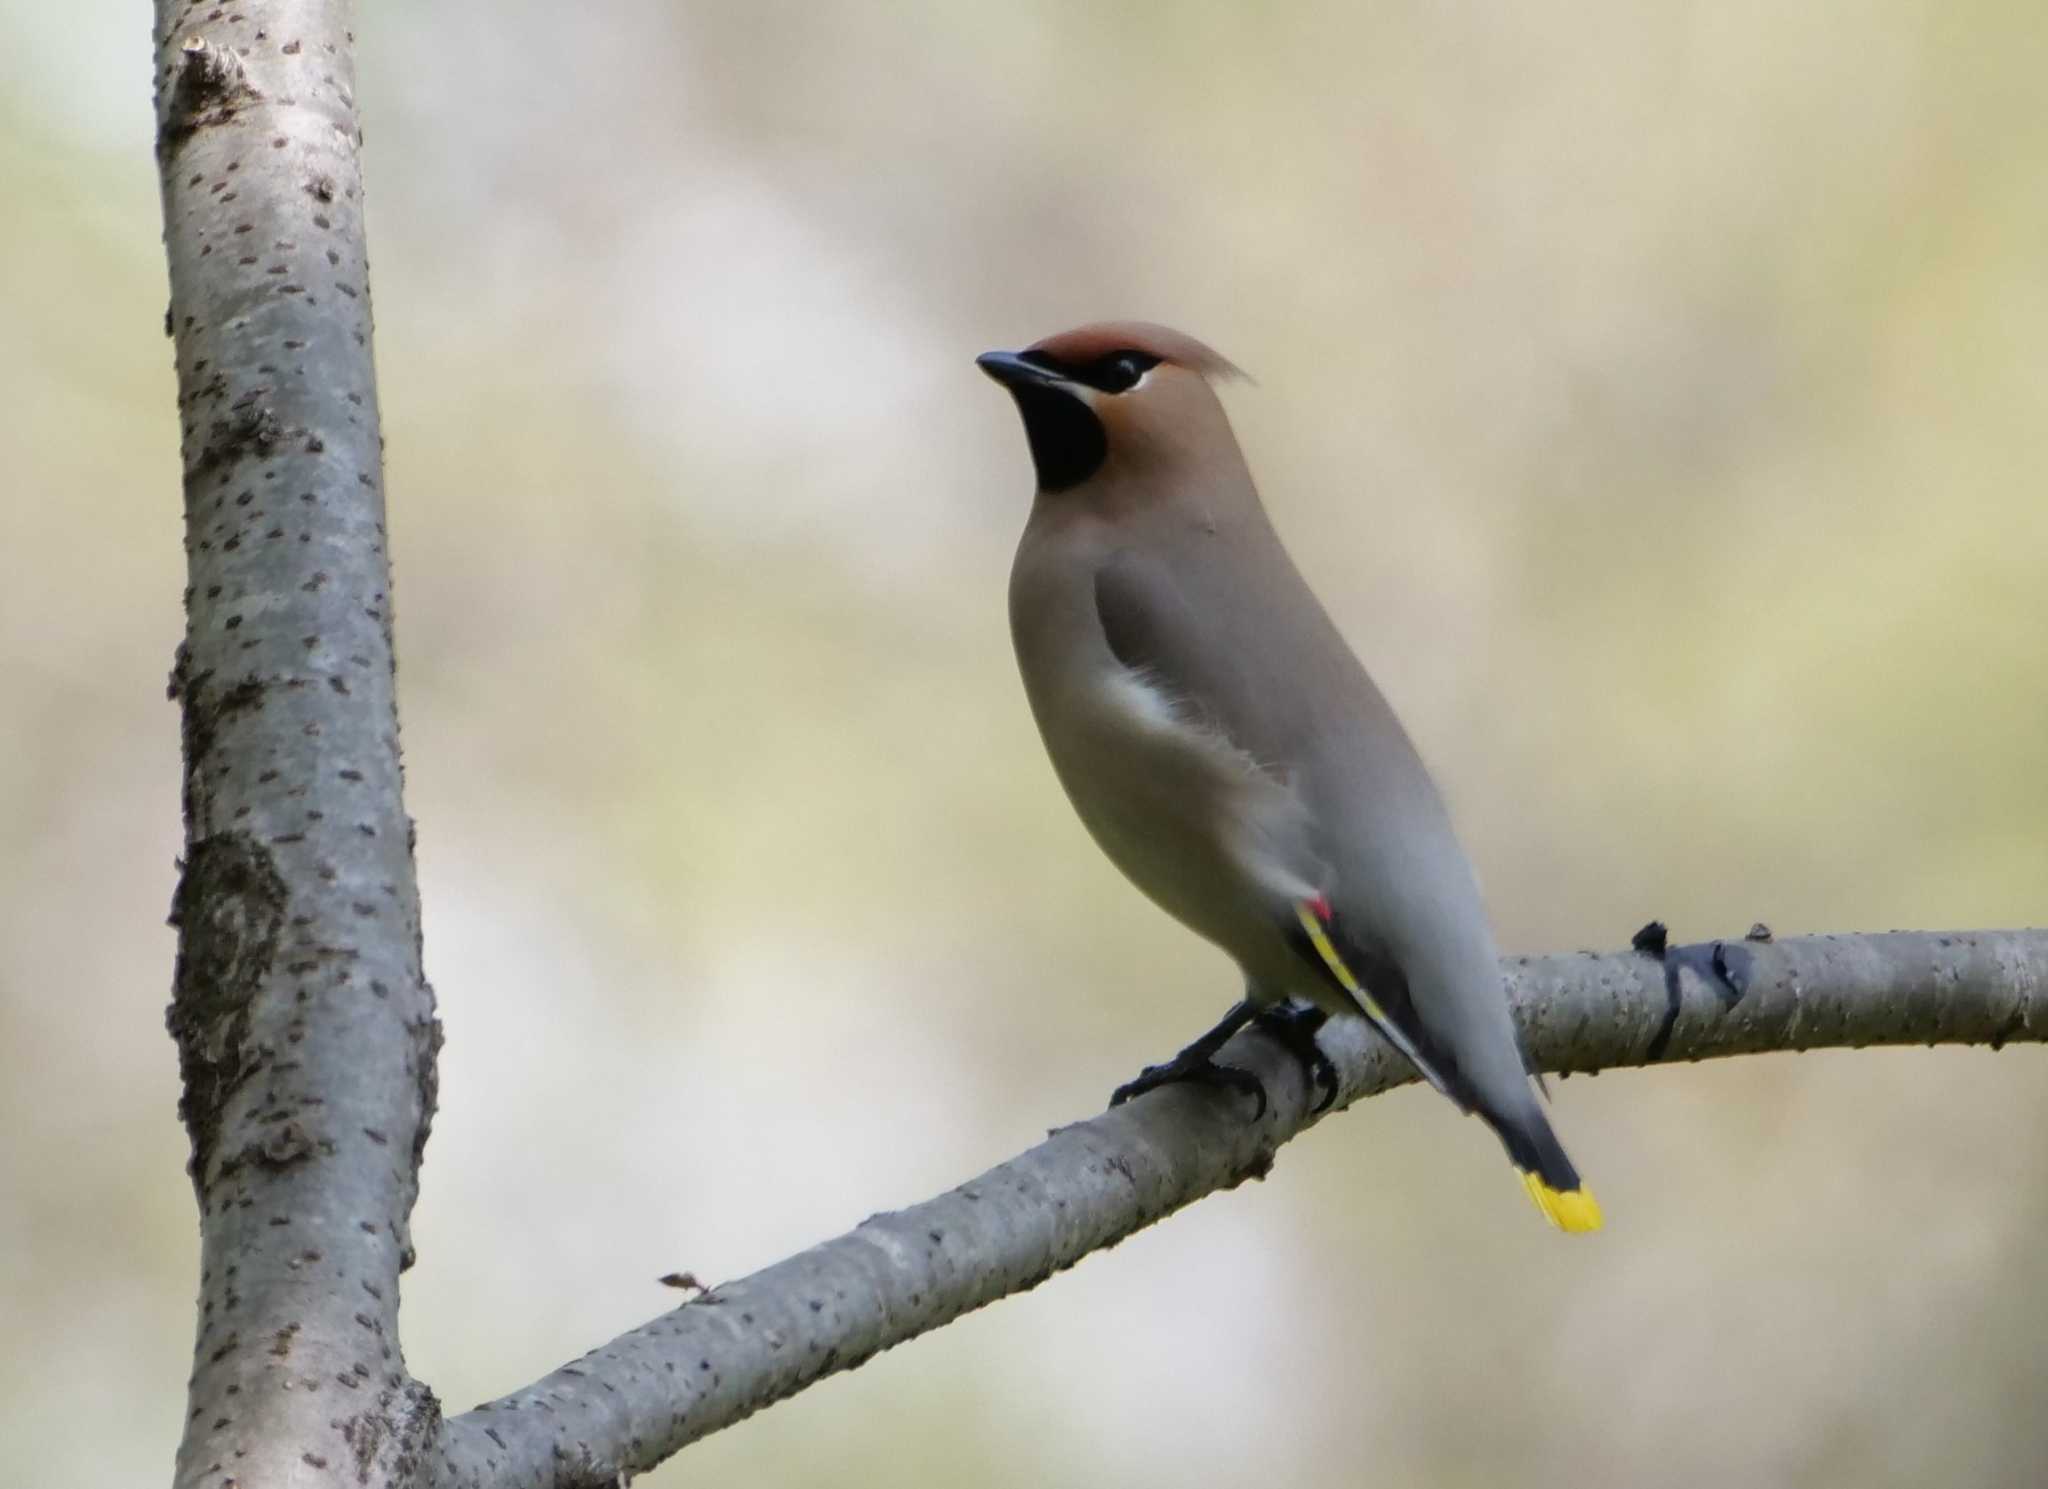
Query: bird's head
{"points": [[1123, 392]]}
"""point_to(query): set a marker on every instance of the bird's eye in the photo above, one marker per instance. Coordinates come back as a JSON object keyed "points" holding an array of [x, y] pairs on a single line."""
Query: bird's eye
{"points": [[1119, 371]]}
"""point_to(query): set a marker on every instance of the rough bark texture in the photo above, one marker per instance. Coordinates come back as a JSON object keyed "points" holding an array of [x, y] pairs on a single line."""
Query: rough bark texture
{"points": [[748, 1344], [305, 1031]]}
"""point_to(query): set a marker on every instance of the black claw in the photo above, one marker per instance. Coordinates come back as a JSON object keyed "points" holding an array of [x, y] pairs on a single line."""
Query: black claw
{"points": [[1293, 1027], [1200, 1069], [1198, 1063]]}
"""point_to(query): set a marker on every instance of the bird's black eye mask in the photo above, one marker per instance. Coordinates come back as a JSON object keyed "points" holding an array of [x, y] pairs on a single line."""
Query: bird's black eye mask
{"points": [[1068, 443], [1118, 372]]}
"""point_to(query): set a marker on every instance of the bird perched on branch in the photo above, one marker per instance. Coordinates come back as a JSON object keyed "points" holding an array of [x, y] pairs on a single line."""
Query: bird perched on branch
{"points": [[1227, 751]]}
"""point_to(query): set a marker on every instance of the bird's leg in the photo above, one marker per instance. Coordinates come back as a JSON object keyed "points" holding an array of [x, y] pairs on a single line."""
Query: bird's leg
{"points": [[1293, 1024], [1198, 1063]]}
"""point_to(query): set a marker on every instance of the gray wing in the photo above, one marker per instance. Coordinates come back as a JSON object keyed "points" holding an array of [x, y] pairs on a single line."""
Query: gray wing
{"points": [[1185, 666], [1233, 671], [1186, 650]]}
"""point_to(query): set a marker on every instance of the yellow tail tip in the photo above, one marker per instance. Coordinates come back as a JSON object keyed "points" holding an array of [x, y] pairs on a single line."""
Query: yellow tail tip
{"points": [[1568, 1209]]}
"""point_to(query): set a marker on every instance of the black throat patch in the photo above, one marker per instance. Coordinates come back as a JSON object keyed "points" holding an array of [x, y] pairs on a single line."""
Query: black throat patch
{"points": [[1068, 443]]}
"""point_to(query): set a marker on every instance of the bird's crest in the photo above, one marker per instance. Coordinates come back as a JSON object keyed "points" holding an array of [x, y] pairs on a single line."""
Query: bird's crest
{"points": [[1084, 344]]}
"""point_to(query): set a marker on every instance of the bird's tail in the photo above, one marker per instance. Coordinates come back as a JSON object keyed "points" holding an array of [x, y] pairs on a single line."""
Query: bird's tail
{"points": [[1547, 1173]]}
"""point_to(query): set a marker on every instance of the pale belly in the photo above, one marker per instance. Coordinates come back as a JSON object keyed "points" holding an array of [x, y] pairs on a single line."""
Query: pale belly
{"points": [[1217, 843]]}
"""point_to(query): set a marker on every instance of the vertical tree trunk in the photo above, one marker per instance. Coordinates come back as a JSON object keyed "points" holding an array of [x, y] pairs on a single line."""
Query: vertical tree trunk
{"points": [[305, 1030]]}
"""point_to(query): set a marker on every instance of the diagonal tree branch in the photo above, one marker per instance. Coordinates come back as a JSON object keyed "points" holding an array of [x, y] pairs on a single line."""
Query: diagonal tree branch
{"points": [[745, 1345]]}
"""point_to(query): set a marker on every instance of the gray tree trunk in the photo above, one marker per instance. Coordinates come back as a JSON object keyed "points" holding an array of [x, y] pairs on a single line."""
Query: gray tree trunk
{"points": [[305, 1029]]}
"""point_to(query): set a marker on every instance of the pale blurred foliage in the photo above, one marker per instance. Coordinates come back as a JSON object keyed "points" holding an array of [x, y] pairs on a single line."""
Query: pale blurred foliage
{"points": [[1654, 392]]}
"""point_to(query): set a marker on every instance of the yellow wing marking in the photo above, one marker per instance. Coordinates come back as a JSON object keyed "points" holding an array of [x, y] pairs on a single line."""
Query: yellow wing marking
{"points": [[1319, 938]]}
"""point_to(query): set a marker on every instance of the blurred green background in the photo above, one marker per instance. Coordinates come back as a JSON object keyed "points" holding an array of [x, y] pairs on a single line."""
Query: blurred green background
{"points": [[1656, 395]]}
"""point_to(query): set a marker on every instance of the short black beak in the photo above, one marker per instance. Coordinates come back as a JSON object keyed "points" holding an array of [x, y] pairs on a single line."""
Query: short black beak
{"points": [[1013, 371]]}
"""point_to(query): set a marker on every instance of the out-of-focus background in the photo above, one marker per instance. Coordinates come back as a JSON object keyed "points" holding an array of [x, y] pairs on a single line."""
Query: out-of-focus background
{"points": [[1655, 393]]}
